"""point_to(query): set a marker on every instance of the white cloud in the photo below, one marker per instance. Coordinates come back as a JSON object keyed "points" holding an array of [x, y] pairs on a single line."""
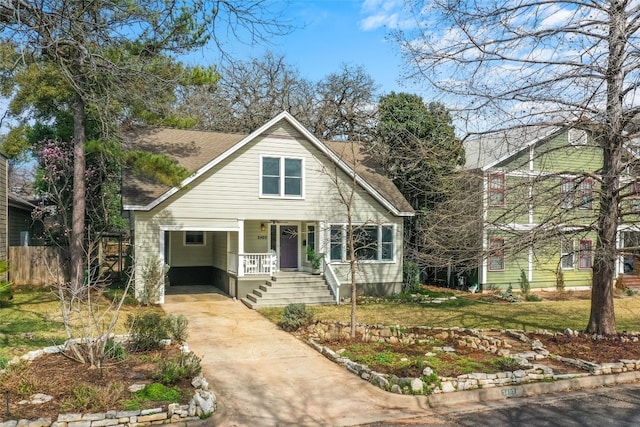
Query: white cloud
{"points": [[384, 13]]}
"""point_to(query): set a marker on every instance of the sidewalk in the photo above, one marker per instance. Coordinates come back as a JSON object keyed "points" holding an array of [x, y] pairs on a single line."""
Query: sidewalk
{"points": [[263, 376]]}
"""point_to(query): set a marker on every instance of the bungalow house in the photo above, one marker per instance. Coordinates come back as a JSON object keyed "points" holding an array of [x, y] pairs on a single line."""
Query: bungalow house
{"points": [[539, 203], [255, 204]]}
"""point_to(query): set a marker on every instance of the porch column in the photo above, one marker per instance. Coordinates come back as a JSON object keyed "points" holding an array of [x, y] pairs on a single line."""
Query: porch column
{"points": [[240, 247]]}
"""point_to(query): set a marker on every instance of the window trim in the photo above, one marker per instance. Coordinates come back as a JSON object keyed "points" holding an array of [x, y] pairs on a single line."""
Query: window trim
{"points": [[282, 177], [567, 255], [379, 244], [585, 254], [496, 252], [501, 179], [186, 243]]}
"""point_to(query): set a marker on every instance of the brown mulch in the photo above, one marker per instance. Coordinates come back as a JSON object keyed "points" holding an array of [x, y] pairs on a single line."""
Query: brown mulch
{"points": [[584, 347], [59, 376]]}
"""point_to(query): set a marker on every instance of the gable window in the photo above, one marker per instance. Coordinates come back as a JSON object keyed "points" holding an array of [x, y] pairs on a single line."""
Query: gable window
{"points": [[497, 189], [281, 177], [371, 242], [585, 254], [496, 254], [566, 254], [194, 238]]}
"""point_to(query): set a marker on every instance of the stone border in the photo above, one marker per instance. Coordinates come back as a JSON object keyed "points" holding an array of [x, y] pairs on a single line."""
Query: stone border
{"points": [[534, 371], [203, 403]]}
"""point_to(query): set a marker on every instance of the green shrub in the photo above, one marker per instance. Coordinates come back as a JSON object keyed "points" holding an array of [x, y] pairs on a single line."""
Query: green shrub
{"points": [[295, 316], [177, 326], [525, 286], [114, 351], [184, 365], [4, 362], [506, 364], [410, 277], [532, 298], [147, 330], [559, 279]]}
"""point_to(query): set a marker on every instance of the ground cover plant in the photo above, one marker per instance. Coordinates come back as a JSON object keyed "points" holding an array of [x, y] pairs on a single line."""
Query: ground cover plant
{"points": [[32, 321]]}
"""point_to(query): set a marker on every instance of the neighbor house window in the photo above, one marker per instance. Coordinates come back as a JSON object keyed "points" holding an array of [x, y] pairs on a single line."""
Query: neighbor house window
{"points": [[585, 254], [566, 254], [634, 192], [371, 242], [585, 194], [574, 193], [497, 189], [566, 194], [496, 254], [194, 238], [281, 177]]}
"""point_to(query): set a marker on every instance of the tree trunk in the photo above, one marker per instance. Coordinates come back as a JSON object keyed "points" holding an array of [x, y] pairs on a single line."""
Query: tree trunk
{"points": [[76, 242], [602, 320]]}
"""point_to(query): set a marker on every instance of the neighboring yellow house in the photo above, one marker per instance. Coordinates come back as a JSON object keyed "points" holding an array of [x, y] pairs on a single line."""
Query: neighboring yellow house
{"points": [[540, 199], [255, 203]]}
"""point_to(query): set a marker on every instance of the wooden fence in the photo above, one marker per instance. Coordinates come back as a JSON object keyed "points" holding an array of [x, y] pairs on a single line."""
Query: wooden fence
{"points": [[37, 265]]}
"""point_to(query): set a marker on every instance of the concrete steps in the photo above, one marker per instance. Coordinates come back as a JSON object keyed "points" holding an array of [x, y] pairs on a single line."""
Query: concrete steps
{"points": [[289, 288]]}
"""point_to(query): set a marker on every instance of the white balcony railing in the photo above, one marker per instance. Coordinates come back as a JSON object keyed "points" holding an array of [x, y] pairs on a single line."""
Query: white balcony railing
{"points": [[252, 264]]}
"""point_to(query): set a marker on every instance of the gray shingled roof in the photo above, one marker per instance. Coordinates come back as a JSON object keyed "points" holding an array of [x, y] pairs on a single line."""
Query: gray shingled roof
{"points": [[194, 149], [488, 150]]}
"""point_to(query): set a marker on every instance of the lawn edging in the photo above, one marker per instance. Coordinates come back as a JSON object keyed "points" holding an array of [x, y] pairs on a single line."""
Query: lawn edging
{"points": [[507, 384], [202, 404]]}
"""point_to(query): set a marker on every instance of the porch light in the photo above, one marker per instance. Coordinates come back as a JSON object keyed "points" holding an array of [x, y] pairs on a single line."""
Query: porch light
{"points": [[263, 227]]}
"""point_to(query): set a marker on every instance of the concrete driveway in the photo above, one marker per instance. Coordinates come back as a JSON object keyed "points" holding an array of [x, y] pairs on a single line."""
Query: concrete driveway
{"points": [[263, 376]]}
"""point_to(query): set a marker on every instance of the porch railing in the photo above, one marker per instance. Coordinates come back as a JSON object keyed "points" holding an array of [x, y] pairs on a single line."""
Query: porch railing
{"points": [[331, 278], [252, 264]]}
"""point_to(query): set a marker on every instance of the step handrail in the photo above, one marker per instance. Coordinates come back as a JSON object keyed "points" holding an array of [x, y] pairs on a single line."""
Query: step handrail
{"points": [[331, 278]]}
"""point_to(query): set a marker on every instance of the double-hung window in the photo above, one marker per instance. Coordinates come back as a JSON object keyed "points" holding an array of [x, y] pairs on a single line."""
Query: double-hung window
{"points": [[566, 254], [497, 189], [585, 254], [585, 194], [281, 177], [575, 193], [496, 254], [635, 196], [371, 242]]}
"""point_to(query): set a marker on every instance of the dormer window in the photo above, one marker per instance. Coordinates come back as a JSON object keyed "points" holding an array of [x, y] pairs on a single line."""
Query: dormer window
{"points": [[281, 177]]}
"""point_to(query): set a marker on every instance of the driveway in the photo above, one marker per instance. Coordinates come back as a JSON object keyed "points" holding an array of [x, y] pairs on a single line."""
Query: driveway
{"points": [[263, 376]]}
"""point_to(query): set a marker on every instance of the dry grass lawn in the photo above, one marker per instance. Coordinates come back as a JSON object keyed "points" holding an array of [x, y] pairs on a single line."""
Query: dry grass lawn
{"points": [[33, 320], [555, 315]]}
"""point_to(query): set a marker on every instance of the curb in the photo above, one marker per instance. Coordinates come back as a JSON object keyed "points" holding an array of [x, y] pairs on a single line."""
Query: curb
{"points": [[530, 389]]}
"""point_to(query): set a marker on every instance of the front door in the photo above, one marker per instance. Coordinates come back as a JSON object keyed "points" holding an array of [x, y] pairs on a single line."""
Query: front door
{"points": [[288, 246]]}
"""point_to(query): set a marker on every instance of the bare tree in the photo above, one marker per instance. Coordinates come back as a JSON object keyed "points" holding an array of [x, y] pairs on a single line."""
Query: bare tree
{"points": [[249, 93], [346, 105], [543, 63]]}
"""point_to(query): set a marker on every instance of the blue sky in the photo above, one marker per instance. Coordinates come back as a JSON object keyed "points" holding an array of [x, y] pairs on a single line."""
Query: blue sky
{"points": [[333, 32]]}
